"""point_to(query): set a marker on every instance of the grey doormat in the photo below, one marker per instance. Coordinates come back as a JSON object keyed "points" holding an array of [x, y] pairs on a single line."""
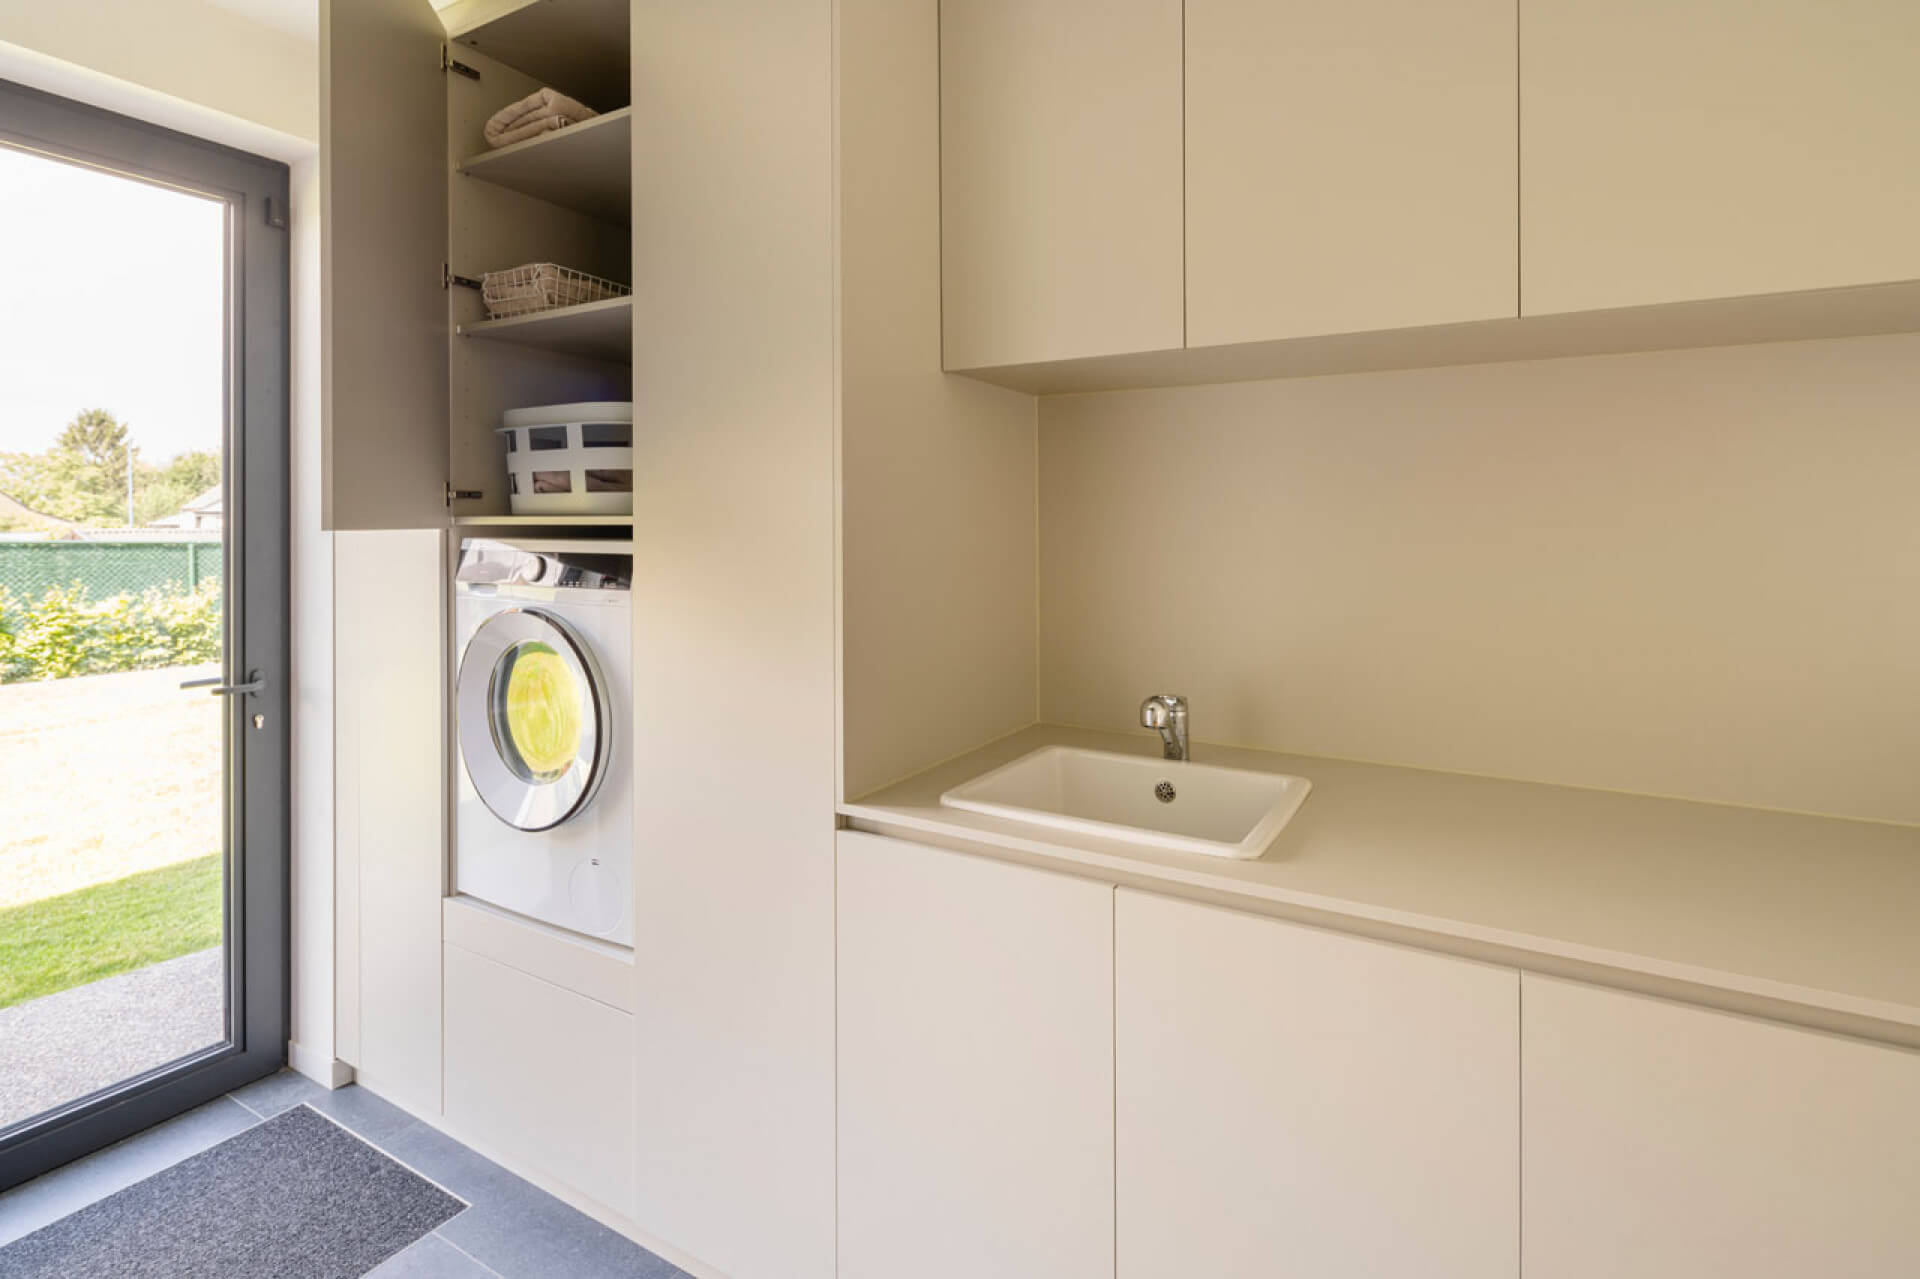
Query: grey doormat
{"points": [[295, 1195]]}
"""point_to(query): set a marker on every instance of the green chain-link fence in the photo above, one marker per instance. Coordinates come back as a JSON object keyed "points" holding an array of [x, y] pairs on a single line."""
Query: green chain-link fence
{"points": [[106, 569]]}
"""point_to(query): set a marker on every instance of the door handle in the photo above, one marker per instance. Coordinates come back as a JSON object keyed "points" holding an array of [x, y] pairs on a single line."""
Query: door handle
{"points": [[218, 686]]}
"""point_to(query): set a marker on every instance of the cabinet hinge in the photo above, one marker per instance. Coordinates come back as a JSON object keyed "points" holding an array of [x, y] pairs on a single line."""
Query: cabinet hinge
{"points": [[449, 63], [462, 495], [448, 279]]}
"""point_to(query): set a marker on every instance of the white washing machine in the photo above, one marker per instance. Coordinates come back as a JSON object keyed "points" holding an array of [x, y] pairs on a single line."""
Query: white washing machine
{"points": [[543, 705]]}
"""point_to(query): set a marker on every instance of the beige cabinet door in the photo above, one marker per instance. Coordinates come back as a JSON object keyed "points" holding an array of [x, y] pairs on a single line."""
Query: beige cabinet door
{"points": [[1350, 166], [542, 1072], [1060, 179], [1665, 1140], [390, 808], [1681, 149], [1291, 1101], [383, 165], [976, 1067]]}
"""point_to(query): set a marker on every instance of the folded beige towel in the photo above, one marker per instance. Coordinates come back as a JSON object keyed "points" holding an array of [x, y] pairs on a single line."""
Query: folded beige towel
{"points": [[533, 115]]}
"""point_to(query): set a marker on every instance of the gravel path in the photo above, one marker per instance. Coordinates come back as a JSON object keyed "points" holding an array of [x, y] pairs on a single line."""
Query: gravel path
{"points": [[106, 776], [63, 1046]]}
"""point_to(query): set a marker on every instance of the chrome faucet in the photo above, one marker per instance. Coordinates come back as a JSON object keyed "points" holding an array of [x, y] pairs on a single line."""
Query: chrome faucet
{"points": [[1167, 714]]}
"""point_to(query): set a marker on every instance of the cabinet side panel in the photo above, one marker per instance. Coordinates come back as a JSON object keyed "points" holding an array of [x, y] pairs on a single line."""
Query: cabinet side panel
{"points": [[383, 127], [1668, 1140], [734, 632], [937, 471]]}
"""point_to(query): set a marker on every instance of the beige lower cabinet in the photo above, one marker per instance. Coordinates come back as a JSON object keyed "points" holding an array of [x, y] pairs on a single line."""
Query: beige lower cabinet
{"points": [[1671, 1142], [1291, 1101], [975, 1067], [542, 1076]]}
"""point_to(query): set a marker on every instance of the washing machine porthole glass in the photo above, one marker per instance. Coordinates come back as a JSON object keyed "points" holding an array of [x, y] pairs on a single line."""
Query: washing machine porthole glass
{"points": [[536, 712]]}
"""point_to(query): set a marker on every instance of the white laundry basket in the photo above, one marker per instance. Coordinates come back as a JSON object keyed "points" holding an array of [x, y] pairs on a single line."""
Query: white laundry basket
{"points": [[570, 459]]}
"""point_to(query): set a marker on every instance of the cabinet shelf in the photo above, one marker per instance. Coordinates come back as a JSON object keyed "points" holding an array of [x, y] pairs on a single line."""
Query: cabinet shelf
{"points": [[595, 330], [543, 521], [576, 46], [587, 167]]}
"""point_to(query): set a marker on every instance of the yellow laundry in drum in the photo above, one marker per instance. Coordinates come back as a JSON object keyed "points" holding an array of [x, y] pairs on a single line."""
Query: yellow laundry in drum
{"points": [[542, 711]]}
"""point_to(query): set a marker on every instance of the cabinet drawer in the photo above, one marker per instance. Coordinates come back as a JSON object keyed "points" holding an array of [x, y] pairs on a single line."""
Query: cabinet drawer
{"points": [[540, 1074]]}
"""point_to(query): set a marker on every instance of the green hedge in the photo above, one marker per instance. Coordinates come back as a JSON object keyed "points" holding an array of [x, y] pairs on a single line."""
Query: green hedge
{"points": [[63, 634]]}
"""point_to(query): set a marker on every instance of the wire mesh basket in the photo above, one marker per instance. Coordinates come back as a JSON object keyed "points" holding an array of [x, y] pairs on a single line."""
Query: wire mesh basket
{"points": [[543, 286]]}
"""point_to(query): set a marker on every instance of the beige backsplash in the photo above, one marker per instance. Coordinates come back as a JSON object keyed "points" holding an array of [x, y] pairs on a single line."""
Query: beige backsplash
{"points": [[1691, 573]]}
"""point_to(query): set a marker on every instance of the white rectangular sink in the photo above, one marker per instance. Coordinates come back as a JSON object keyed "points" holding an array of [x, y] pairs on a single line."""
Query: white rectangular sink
{"points": [[1177, 806]]}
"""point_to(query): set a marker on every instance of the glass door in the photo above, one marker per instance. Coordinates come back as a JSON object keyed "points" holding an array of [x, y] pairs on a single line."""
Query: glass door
{"points": [[143, 626]]}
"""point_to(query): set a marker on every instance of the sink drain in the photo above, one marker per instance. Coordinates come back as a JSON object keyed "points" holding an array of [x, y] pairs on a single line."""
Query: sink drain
{"points": [[1164, 792]]}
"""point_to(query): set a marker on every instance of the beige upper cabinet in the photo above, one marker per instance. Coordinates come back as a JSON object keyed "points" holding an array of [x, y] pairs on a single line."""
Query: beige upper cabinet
{"points": [[1060, 179], [383, 158], [1682, 149], [1663, 1140], [1350, 166], [1291, 1101], [975, 1067]]}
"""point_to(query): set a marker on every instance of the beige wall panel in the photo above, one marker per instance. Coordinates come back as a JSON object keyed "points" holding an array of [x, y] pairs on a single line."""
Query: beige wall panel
{"points": [[976, 1067], [734, 633], [1677, 149], [389, 645], [1297, 1102], [1666, 1140], [937, 471], [1060, 154], [1350, 166], [1684, 573]]}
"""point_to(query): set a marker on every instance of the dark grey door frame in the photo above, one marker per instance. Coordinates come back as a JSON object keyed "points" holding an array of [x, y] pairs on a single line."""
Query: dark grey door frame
{"points": [[258, 560]]}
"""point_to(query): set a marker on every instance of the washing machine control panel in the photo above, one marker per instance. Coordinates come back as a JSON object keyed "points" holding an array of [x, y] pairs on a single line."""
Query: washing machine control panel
{"points": [[484, 563]]}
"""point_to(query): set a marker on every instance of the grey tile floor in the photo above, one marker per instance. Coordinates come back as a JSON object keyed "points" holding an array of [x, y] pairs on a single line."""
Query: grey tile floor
{"points": [[513, 1230]]}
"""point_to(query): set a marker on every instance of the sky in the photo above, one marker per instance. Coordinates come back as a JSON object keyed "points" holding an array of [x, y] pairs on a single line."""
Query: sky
{"points": [[110, 297]]}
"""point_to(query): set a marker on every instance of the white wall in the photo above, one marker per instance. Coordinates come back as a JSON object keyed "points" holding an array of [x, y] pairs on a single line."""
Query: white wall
{"points": [[937, 472], [1689, 573], [209, 72]]}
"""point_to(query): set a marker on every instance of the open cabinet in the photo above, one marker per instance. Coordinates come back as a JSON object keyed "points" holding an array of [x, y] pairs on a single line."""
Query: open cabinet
{"points": [[418, 208]]}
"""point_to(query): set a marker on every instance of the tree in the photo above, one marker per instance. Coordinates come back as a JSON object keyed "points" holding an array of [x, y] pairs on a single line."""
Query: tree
{"points": [[161, 491], [83, 477], [98, 440]]}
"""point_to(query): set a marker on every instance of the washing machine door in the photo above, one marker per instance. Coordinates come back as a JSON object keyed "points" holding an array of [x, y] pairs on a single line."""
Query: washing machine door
{"points": [[535, 718]]}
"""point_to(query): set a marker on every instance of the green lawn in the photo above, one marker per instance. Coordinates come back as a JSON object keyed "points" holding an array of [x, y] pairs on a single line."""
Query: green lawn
{"points": [[116, 927]]}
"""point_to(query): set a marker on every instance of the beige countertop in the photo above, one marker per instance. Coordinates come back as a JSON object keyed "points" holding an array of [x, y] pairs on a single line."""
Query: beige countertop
{"points": [[1811, 917]]}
